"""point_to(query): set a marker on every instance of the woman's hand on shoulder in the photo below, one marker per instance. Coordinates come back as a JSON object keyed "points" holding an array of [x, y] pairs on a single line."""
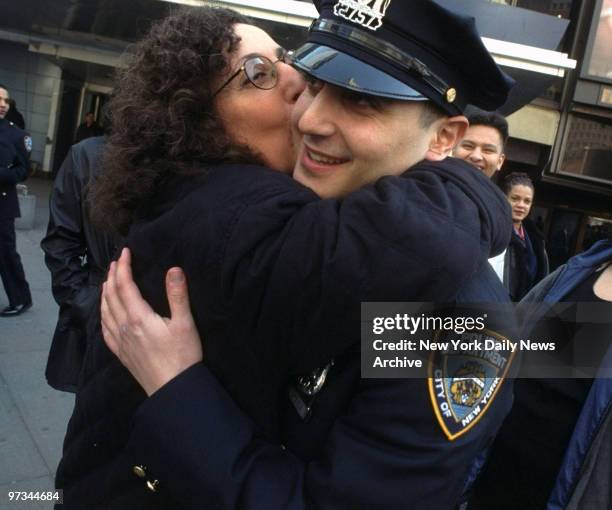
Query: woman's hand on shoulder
{"points": [[154, 349]]}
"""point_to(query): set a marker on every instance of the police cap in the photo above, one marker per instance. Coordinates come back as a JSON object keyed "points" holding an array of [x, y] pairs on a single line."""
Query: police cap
{"points": [[408, 50]]}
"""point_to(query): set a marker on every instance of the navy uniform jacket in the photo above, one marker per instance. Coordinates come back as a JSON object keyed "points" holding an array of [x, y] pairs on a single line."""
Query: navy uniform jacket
{"points": [[368, 444], [276, 277], [15, 147]]}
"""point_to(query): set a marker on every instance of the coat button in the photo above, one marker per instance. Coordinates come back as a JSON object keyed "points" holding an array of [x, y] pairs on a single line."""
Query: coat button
{"points": [[152, 485], [139, 471]]}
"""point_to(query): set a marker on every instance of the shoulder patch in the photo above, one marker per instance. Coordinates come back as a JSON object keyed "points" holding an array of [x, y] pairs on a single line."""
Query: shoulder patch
{"points": [[463, 384], [27, 142]]}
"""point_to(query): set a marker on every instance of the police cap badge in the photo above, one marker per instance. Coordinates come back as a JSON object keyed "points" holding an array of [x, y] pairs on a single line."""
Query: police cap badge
{"points": [[411, 51]]}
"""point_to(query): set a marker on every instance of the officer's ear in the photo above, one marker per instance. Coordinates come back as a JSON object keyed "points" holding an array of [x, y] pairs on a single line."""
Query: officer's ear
{"points": [[446, 133]]}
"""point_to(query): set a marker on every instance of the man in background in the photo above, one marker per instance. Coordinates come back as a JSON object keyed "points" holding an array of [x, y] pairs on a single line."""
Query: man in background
{"points": [[484, 142], [483, 147], [88, 128], [77, 256]]}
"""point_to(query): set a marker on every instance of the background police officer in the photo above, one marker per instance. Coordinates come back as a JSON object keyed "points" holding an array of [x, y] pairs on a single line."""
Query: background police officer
{"points": [[15, 147]]}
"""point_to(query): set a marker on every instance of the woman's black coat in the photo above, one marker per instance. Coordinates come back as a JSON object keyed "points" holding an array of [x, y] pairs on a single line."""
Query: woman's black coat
{"points": [[276, 279]]}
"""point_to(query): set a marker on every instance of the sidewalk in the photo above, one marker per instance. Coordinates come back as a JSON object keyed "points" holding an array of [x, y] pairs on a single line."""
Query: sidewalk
{"points": [[33, 416]]}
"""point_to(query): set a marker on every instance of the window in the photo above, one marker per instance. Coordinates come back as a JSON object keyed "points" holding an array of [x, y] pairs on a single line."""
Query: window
{"points": [[561, 9], [587, 151], [598, 57]]}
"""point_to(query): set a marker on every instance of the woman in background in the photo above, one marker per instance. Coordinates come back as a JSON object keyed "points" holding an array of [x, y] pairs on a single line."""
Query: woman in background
{"points": [[526, 262]]}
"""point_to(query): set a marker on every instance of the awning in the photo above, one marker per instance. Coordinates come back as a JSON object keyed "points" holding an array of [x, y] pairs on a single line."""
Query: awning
{"points": [[512, 54]]}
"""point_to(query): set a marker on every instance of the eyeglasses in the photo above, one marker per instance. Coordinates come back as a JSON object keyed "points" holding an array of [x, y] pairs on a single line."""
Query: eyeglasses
{"points": [[260, 71]]}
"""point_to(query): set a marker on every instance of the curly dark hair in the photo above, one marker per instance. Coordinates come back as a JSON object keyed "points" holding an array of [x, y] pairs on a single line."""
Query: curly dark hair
{"points": [[162, 119]]}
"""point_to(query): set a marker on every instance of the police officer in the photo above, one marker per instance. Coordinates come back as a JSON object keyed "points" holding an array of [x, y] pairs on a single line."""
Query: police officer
{"points": [[353, 443], [15, 147]]}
